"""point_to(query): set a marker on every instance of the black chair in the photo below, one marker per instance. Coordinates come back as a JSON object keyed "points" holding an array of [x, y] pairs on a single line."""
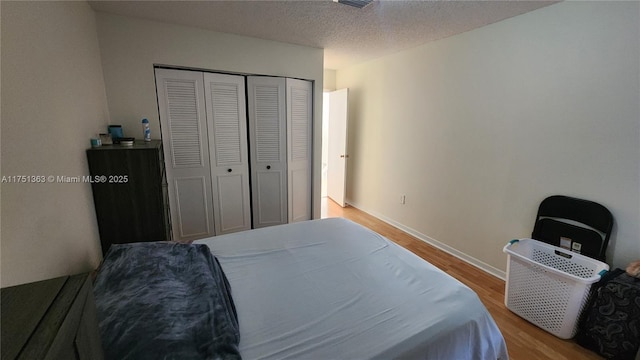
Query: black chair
{"points": [[587, 232]]}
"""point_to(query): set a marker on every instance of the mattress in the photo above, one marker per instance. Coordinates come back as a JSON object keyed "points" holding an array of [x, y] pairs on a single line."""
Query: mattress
{"points": [[333, 289]]}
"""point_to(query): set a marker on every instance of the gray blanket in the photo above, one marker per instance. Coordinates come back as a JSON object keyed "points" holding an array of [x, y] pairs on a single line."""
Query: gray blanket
{"points": [[165, 301]]}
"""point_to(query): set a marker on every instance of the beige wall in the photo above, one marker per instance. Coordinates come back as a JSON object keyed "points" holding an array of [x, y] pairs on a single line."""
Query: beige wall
{"points": [[130, 48], [329, 80], [53, 101], [478, 128]]}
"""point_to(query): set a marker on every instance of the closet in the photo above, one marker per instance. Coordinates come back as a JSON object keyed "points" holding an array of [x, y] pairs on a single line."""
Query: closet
{"points": [[237, 150]]}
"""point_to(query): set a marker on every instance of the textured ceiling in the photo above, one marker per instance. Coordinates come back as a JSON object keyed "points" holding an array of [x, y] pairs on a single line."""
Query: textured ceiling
{"points": [[348, 35]]}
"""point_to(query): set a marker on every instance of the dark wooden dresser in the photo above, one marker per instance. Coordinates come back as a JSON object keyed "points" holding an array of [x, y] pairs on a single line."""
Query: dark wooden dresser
{"points": [[50, 319], [130, 193]]}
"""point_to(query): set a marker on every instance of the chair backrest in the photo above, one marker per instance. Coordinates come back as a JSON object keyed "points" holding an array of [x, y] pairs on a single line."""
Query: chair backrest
{"points": [[582, 225]]}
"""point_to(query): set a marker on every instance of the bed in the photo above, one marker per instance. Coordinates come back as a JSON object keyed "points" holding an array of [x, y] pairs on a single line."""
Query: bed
{"points": [[332, 289]]}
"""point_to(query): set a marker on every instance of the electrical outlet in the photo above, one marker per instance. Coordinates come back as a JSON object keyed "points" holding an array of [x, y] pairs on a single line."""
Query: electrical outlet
{"points": [[402, 199]]}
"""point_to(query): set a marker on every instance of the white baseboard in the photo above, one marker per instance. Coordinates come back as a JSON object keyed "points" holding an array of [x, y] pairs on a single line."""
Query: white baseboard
{"points": [[442, 246]]}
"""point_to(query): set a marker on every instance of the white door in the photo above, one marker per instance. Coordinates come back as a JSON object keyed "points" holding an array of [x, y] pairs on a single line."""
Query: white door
{"points": [[227, 130], [299, 123], [268, 154], [186, 149], [337, 158]]}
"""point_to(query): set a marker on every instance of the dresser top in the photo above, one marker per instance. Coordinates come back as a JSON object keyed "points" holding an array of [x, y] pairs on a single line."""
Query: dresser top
{"points": [[137, 145]]}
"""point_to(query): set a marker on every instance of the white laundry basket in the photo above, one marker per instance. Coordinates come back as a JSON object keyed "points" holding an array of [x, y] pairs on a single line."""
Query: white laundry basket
{"points": [[548, 285]]}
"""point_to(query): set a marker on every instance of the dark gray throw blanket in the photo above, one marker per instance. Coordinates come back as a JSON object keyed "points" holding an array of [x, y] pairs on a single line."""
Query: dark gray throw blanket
{"points": [[165, 301]]}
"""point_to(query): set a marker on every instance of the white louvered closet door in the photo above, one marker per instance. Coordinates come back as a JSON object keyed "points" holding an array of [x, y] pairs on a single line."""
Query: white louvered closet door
{"points": [[299, 115], [186, 148], [227, 124], [267, 138]]}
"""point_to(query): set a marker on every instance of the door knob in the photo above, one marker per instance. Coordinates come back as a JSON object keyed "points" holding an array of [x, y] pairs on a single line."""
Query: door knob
{"points": [[268, 167], [229, 170]]}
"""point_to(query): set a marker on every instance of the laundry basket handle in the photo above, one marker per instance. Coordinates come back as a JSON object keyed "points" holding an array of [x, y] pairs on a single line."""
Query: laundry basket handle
{"points": [[565, 255]]}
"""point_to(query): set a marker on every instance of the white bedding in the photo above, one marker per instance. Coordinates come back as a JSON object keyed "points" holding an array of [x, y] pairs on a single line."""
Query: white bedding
{"points": [[332, 289]]}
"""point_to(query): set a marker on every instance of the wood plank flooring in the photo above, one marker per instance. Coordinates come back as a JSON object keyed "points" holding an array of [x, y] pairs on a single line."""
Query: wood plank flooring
{"points": [[524, 340]]}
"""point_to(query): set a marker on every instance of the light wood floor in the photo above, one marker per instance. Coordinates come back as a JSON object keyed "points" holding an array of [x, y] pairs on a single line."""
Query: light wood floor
{"points": [[524, 340]]}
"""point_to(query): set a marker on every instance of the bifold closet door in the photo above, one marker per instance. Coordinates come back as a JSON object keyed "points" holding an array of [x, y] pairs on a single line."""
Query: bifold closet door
{"points": [[227, 129], [299, 115], [183, 122], [217, 182], [268, 150]]}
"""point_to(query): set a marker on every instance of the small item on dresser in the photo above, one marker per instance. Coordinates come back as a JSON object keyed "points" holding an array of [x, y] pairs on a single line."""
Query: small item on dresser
{"points": [[96, 142], [116, 133], [146, 130], [105, 139], [127, 141]]}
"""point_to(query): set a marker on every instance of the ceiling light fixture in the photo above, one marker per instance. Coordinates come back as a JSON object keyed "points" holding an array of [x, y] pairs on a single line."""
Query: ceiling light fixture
{"points": [[355, 3]]}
